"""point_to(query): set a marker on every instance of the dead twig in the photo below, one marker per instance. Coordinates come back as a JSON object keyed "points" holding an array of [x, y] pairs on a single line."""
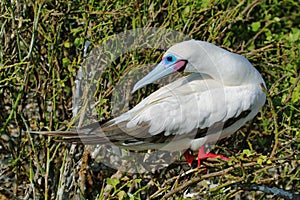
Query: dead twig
{"points": [[197, 179]]}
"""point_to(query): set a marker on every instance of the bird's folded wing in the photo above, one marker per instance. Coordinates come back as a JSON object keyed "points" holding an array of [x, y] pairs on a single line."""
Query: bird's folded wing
{"points": [[174, 113]]}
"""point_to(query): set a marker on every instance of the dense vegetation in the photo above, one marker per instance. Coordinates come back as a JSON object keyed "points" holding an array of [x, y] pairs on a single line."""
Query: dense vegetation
{"points": [[42, 47]]}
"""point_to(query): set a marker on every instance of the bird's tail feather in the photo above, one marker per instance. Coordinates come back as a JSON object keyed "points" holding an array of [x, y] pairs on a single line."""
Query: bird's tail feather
{"points": [[96, 134]]}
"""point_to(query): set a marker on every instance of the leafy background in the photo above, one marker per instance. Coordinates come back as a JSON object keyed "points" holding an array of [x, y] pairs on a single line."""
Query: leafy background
{"points": [[42, 47]]}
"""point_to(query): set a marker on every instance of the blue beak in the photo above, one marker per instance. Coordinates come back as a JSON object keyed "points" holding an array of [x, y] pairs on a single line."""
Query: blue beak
{"points": [[158, 72]]}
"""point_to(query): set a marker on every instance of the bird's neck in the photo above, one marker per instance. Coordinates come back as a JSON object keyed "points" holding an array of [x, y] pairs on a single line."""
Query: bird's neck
{"points": [[234, 70]]}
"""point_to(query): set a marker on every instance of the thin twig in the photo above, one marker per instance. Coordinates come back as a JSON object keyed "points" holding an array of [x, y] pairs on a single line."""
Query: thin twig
{"points": [[197, 179]]}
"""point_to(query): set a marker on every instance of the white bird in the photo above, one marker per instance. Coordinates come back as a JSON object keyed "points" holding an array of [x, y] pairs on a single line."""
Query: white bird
{"points": [[220, 94]]}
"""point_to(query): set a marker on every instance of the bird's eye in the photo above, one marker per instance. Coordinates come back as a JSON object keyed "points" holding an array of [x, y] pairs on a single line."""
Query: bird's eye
{"points": [[169, 58]]}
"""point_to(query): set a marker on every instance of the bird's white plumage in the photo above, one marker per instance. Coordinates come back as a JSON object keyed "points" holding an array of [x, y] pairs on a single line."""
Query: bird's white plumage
{"points": [[221, 87], [221, 93]]}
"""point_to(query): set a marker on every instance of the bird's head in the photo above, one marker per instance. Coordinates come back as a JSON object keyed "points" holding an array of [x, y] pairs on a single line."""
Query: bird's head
{"points": [[203, 58], [176, 59], [182, 57], [169, 64]]}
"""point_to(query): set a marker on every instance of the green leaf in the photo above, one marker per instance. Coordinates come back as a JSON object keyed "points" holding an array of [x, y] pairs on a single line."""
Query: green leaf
{"points": [[78, 42], [113, 181], [269, 162], [247, 152], [187, 10], [296, 92], [255, 26], [65, 62], [67, 44], [261, 159], [122, 194], [294, 35], [205, 3]]}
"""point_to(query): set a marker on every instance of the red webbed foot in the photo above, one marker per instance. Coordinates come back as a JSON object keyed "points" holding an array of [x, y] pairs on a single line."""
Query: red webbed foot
{"points": [[189, 156], [202, 155]]}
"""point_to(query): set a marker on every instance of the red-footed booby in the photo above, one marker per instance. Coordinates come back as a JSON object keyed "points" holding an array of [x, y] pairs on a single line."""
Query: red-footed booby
{"points": [[221, 92]]}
